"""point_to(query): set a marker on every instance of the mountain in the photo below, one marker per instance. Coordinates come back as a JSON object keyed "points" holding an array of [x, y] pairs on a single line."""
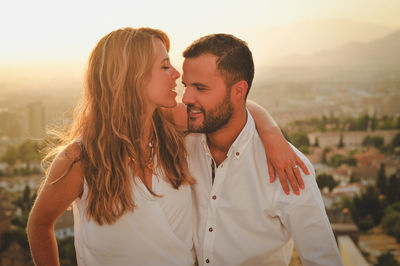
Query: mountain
{"points": [[357, 62], [383, 52], [305, 38]]}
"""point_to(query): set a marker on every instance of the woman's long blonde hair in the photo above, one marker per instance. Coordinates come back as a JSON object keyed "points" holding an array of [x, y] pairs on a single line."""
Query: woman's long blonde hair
{"points": [[109, 123]]}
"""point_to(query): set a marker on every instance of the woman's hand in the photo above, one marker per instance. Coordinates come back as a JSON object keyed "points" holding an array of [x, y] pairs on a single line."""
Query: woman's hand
{"points": [[282, 160]]}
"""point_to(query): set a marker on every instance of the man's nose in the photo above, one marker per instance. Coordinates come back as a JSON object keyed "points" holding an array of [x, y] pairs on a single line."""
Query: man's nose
{"points": [[187, 96]]}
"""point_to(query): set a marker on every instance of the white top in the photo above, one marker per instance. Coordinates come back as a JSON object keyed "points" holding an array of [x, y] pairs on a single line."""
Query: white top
{"points": [[242, 219], [158, 232]]}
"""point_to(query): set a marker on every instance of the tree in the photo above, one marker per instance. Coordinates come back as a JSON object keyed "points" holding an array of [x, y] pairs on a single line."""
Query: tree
{"points": [[324, 180], [300, 140], [360, 123], [18, 234], [396, 140], [367, 209], [373, 122], [386, 259], [391, 220], [398, 123], [28, 152], [381, 180], [373, 141], [340, 144], [393, 188], [66, 250], [11, 156], [316, 143], [339, 159], [324, 152]]}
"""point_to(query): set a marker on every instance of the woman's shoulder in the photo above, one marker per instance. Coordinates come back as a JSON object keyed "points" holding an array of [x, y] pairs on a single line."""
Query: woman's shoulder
{"points": [[68, 162]]}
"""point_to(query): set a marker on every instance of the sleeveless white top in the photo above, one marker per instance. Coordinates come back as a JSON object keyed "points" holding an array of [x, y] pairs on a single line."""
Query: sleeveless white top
{"points": [[157, 232]]}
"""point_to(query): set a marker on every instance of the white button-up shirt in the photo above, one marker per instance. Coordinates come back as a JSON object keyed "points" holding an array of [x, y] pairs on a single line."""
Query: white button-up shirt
{"points": [[242, 219]]}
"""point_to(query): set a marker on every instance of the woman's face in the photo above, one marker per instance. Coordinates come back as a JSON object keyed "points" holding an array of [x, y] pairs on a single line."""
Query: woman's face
{"points": [[160, 90]]}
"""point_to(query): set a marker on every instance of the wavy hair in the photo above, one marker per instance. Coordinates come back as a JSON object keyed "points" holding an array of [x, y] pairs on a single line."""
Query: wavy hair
{"points": [[109, 124]]}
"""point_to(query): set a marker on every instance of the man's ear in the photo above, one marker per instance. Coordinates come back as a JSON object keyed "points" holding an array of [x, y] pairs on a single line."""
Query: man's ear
{"points": [[239, 90]]}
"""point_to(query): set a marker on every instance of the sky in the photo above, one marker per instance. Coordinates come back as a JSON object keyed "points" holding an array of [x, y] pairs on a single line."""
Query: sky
{"points": [[40, 33]]}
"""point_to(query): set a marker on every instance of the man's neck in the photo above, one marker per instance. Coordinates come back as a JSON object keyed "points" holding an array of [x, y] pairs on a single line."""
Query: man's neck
{"points": [[221, 140]]}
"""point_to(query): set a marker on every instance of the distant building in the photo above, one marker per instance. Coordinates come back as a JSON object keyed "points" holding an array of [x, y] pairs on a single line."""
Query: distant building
{"points": [[64, 226], [18, 184], [351, 139], [372, 156], [33, 120], [366, 174], [23, 123]]}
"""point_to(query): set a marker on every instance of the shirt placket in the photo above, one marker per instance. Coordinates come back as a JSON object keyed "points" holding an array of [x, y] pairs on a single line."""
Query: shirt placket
{"points": [[213, 203]]}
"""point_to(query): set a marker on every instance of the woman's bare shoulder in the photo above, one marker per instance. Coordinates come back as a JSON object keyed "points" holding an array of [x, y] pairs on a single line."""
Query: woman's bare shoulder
{"points": [[66, 163]]}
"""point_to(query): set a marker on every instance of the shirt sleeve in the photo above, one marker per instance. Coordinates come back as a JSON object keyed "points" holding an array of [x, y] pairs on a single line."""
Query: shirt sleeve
{"points": [[305, 218]]}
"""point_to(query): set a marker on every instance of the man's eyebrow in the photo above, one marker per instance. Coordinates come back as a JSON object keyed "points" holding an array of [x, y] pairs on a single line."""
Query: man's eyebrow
{"points": [[196, 84]]}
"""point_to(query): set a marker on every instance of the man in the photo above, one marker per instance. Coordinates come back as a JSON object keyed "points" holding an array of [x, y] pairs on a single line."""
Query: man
{"points": [[241, 219]]}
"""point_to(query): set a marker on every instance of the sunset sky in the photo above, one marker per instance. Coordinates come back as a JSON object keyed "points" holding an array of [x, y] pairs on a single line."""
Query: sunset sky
{"points": [[44, 32]]}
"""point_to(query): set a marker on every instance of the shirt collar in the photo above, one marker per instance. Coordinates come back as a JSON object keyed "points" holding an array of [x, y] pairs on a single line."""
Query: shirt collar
{"points": [[240, 142]]}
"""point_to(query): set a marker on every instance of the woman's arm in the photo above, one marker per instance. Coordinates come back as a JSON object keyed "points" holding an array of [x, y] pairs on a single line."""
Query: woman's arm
{"points": [[62, 186], [281, 158]]}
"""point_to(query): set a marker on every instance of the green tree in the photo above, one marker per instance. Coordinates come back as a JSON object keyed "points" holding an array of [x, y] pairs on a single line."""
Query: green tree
{"points": [[360, 123], [393, 189], [316, 143], [11, 156], [18, 234], [325, 180], [324, 152], [339, 159], [396, 140], [28, 152], [300, 140], [66, 250], [373, 122], [367, 209], [381, 180], [386, 259], [391, 220], [398, 123], [373, 141], [340, 144]]}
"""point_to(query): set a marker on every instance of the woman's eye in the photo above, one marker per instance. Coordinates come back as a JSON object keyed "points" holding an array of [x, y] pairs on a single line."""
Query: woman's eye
{"points": [[165, 67], [200, 88]]}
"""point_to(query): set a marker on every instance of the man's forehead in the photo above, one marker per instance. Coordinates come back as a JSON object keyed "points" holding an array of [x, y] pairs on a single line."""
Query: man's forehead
{"points": [[202, 66]]}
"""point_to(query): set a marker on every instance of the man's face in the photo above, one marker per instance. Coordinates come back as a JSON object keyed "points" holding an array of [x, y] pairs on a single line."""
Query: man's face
{"points": [[207, 99]]}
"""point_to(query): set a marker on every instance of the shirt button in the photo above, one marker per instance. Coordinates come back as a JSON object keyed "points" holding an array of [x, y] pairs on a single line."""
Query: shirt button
{"points": [[214, 197], [207, 261], [210, 229], [237, 153]]}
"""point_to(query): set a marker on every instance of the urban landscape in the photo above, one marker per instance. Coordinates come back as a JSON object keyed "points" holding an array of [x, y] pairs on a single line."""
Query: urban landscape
{"points": [[338, 105]]}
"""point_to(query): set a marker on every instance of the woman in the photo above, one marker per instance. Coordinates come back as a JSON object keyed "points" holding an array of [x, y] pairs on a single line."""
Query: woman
{"points": [[122, 164]]}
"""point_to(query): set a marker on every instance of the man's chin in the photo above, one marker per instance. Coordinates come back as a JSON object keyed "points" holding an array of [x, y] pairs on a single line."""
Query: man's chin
{"points": [[195, 128]]}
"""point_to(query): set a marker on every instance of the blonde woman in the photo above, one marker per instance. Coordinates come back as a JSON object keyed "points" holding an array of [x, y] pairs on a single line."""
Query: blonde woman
{"points": [[122, 164]]}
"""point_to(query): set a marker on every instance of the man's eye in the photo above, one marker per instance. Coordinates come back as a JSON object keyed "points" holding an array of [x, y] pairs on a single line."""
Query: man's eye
{"points": [[200, 88]]}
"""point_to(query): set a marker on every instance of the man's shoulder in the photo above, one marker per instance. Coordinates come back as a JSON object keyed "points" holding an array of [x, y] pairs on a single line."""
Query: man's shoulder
{"points": [[303, 158]]}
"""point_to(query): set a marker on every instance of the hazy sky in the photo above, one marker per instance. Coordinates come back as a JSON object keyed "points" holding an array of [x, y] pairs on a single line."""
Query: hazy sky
{"points": [[42, 32]]}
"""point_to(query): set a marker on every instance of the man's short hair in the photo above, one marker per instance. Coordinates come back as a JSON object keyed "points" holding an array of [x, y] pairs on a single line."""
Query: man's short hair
{"points": [[234, 58]]}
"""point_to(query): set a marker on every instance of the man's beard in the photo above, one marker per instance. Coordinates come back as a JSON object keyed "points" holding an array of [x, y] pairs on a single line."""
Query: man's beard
{"points": [[213, 119]]}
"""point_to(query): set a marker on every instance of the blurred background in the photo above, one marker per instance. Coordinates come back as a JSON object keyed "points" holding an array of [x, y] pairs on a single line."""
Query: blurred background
{"points": [[328, 72]]}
